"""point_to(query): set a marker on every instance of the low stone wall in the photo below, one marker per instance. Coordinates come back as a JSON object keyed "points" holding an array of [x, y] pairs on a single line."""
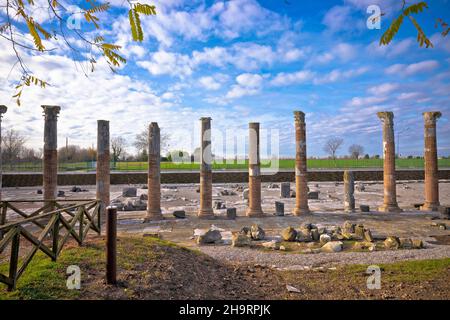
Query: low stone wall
{"points": [[35, 179]]}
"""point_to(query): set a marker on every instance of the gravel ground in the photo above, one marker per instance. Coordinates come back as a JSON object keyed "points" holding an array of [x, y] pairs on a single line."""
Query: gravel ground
{"points": [[288, 261]]}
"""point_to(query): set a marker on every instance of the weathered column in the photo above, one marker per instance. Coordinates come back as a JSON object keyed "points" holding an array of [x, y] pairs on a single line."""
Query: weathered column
{"points": [[390, 194], [301, 179], [3, 110], [154, 174], [50, 162], [254, 172], [431, 162], [102, 177], [349, 190], [206, 210]]}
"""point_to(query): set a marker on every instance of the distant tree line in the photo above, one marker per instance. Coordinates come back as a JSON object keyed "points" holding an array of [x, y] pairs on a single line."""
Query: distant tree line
{"points": [[14, 150]]}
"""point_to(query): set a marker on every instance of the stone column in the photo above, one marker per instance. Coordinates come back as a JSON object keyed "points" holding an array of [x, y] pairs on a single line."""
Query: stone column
{"points": [[431, 162], [154, 174], [390, 194], [50, 162], [301, 179], [206, 210], [349, 190], [102, 177], [254, 172], [3, 110]]}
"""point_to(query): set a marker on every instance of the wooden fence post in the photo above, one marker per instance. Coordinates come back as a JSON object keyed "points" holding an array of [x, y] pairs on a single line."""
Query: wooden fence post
{"points": [[3, 217], [55, 237], [111, 245], [14, 261]]}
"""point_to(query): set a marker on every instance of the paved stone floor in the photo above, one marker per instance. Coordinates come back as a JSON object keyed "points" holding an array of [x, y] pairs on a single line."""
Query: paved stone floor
{"points": [[327, 210]]}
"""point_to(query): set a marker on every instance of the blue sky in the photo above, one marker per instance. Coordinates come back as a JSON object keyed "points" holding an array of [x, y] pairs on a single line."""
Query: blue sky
{"points": [[241, 61]]}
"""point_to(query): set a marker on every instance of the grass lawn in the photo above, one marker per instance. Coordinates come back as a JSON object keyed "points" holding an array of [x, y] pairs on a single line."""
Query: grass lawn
{"points": [[283, 164], [150, 268]]}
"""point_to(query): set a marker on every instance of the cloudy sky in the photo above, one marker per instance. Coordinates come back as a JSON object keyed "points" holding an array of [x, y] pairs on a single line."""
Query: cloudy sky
{"points": [[244, 61]]}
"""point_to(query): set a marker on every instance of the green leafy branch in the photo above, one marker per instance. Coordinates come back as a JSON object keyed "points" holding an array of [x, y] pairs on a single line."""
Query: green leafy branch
{"points": [[17, 13], [416, 8], [135, 21]]}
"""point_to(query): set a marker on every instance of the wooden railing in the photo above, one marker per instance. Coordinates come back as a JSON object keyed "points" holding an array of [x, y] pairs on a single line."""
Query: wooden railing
{"points": [[45, 231]]}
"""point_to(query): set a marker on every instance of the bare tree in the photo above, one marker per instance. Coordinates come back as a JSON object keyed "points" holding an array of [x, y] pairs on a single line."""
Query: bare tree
{"points": [[141, 141], [356, 150], [13, 144], [332, 145], [118, 145]]}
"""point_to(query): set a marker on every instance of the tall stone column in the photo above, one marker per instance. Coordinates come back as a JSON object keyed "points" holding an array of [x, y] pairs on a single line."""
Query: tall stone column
{"points": [[301, 172], [349, 190], [254, 172], [154, 174], [390, 194], [3, 110], [50, 162], [431, 162], [103, 157], [206, 210]]}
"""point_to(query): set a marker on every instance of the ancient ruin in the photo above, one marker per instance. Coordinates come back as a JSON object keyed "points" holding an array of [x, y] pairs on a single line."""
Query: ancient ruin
{"points": [[254, 172], [154, 173], [301, 179], [205, 210], [3, 110], [349, 190], [103, 174], [50, 160], [390, 192], [431, 163]]}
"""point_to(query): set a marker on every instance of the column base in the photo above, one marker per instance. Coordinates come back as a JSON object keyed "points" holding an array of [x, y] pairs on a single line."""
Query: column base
{"points": [[389, 208], [205, 214], [153, 216], [300, 211], [430, 207], [254, 213]]}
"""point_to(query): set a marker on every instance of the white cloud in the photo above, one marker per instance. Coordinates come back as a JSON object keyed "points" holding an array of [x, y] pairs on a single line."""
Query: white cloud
{"points": [[246, 84], [163, 62], [338, 18], [383, 89], [209, 83], [366, 101], [411, 69], [283, 78]]}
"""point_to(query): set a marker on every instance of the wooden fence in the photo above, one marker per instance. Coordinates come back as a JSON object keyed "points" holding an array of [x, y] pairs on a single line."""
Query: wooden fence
{"points": [[46, 229]]}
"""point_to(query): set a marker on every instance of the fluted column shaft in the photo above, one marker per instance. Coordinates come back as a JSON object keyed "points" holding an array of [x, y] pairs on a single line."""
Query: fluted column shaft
{"points": [[301, 172], [390, 194], [254, 172], [50, 159], [431, 161], [154, 173], [206, 210], [103, 158]]}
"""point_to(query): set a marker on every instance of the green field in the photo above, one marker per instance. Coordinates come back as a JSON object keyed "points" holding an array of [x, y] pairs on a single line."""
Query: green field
{"points": [[229, 165]]}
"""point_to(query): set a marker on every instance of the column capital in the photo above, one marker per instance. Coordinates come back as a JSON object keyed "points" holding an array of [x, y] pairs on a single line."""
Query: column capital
{"points": [[153, 125], [431, 117], [299, 116], [386, 117], [205, 119], [51, 112], [3, 109], [253, 125]]}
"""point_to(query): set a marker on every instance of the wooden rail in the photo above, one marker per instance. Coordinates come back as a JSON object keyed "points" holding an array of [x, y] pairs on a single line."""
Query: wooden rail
{"points": [[51, 231]]}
